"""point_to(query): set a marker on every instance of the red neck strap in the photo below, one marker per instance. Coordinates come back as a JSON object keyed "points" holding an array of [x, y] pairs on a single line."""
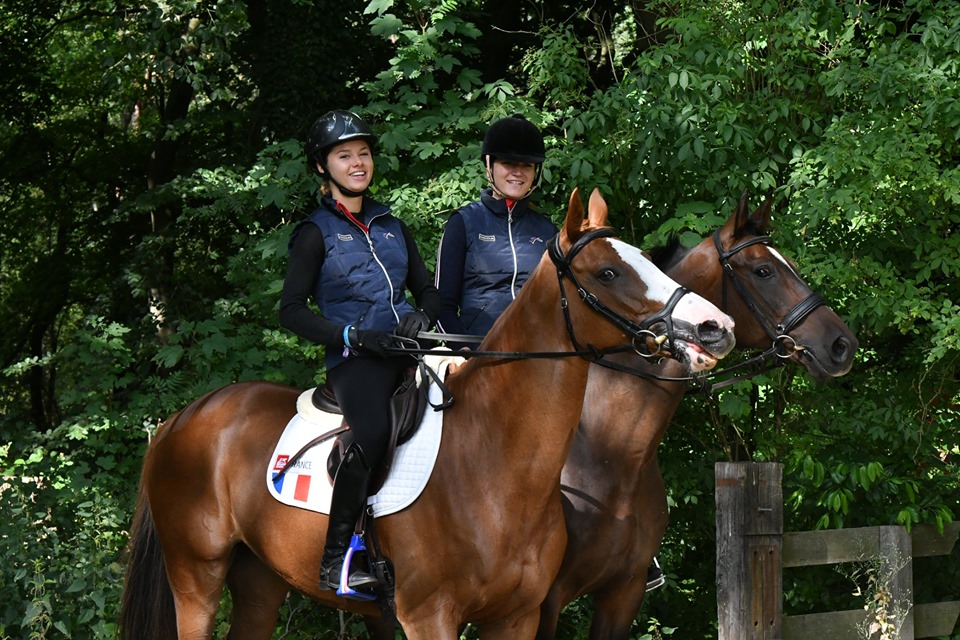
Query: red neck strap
{"points": [[343, 209]]}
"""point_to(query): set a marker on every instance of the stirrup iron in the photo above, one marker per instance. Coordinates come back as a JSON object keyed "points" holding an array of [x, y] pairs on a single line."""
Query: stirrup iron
{"points": [[345, 590]]}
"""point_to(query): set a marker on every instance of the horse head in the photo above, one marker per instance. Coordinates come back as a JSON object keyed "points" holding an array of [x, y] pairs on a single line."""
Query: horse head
{"points": [[763, 291], [641, 304]]}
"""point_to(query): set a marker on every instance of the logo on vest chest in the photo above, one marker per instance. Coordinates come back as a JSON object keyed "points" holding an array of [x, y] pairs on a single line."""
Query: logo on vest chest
{"points": [[482, 237], [344, 237]]}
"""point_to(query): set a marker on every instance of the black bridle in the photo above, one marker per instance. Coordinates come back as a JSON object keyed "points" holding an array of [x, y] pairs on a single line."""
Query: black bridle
{"points": [[779, 332], [639, 332], [783, 345]]}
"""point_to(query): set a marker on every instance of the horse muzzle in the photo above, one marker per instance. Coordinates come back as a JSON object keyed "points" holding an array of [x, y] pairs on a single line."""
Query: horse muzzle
{"points": [[704, 344]]}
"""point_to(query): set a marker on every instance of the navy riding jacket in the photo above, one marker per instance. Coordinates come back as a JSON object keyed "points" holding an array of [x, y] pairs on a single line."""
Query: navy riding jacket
{"points": [[360, 278], [486, 254]]}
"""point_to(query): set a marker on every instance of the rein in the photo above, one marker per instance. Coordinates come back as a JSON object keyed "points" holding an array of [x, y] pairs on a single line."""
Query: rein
{"points": [[639, 332], [400, 347], [782, 347]]}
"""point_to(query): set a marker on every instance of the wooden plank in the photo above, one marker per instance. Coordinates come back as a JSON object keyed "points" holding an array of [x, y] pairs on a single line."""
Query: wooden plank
{"points": [[936, 619], [834, 625], [927, 541], [811, 548], [890, 548], [930, 620]]}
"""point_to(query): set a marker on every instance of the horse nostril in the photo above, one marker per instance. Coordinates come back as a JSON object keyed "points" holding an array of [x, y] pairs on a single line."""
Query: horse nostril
{"points": [[709, 331], [841, 350]]}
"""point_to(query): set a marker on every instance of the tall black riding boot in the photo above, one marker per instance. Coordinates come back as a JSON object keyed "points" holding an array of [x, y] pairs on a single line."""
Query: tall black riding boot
{"points": [[349, 496]]}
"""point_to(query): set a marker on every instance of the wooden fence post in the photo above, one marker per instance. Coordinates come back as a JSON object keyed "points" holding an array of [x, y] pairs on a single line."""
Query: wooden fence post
{"points": [[896, 575], [749, 499]]}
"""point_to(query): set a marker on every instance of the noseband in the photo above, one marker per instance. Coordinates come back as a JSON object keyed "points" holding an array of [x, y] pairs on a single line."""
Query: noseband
{"points": [[778, 332], [639, 332]]}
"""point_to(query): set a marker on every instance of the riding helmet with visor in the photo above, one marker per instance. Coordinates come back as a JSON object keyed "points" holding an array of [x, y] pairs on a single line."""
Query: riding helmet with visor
{"points": [[513, 139], [333, 128]]}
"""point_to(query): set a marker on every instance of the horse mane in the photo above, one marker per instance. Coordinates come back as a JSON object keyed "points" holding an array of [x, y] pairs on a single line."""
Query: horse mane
{"points": [[668, 255]]}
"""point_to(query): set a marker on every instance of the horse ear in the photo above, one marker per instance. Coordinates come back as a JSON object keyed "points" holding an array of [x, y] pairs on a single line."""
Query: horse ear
{"points": [[597, 210], [574, 219], [742, 214], [761, 216]]}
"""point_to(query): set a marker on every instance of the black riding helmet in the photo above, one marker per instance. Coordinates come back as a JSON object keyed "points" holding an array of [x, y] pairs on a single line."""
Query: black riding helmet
{"points": [[332, 128], [514, 139]]}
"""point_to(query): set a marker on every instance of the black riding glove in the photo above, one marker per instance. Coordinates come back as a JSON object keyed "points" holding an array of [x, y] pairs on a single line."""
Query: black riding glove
{"points": [[411, 324], [370, 341]]}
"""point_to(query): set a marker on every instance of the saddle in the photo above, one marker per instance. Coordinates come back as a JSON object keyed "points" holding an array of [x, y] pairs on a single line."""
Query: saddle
{"points": [[407, 406], [406, 413]]}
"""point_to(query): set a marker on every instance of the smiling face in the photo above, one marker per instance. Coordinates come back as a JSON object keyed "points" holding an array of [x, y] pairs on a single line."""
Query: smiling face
{"points": [[512, 179], [351, 165]]}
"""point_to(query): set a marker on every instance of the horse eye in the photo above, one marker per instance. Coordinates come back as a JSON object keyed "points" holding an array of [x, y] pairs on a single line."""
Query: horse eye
{"points": [[763, 272], [607, 275]]}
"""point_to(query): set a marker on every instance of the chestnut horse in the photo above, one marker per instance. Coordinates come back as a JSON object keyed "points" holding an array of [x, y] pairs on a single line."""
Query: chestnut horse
{"points": [[484, 540], [615, 505]]}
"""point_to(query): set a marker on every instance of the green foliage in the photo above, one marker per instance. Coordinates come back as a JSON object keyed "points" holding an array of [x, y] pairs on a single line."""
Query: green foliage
{"points": [[60, 533], [151, 172]]}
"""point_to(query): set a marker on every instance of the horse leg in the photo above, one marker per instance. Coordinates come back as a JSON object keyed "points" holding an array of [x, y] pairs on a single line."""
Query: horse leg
{"points": [[197, 585], [550, 614], [522, 626], [617, 604], [616, 608], [379, 629], [257, 594]]}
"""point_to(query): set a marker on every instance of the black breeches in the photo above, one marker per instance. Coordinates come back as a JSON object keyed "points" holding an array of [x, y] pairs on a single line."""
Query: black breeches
{"points": [[363, 387]]}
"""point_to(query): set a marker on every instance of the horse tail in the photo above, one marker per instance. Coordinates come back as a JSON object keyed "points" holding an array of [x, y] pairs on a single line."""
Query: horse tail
{"points": [[146, 609]]}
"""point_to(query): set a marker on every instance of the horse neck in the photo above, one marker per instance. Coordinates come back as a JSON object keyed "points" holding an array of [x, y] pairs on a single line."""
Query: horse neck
{"points": [[522, 410], [622, 423]]}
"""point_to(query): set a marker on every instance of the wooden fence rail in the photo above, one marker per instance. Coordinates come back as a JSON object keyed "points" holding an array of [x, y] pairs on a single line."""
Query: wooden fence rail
{"points": [[753, 550]]}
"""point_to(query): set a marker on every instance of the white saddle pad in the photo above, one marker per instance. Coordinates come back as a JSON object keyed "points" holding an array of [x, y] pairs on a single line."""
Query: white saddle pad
{"points": [[307, 484]]}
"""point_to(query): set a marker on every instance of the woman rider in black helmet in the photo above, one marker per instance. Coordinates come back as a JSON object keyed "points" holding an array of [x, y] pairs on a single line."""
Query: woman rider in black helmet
{"points": [[490, 247], [355, 260]]}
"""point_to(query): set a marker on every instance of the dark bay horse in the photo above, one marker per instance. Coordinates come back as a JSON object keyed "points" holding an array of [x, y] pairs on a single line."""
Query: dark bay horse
{"points": [[615, 505], [485, 539]]}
